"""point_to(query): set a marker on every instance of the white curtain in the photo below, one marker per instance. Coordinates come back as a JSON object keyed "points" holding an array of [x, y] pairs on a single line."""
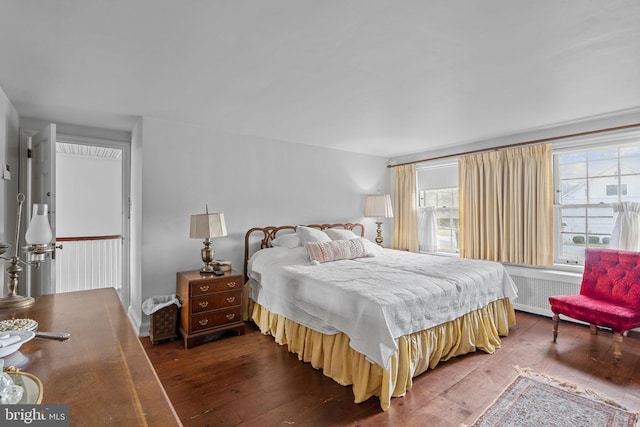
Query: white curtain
{"points": [[626, 228], [428, 229]]}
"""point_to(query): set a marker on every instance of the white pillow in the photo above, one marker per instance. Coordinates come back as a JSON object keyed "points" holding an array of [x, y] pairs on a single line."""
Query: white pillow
{"points": [[266, 258], [287, 241], [309, 235], [340, 234], [373, 249]]}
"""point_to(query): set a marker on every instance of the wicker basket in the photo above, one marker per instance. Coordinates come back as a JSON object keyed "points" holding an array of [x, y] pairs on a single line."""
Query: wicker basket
{"points": [[164, 324]]}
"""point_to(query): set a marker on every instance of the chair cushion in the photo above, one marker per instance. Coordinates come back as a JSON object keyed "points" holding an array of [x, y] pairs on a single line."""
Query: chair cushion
{"points": [[592, 310], [612, 276]]}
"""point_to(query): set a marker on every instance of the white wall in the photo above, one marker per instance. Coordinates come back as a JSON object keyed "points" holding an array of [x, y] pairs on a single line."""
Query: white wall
{"points": [[253, 181], [9, 123], [88, 207]]}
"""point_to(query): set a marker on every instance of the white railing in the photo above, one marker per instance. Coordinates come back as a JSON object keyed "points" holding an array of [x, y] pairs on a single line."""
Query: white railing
{"points": [[88, 263]]}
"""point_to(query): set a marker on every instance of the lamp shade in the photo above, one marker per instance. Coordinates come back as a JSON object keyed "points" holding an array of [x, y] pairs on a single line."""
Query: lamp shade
{"points": [[39, 231], [378, 206], [207, 225]]}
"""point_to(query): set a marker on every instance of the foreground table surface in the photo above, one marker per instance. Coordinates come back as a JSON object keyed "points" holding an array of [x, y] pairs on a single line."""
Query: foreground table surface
{"points": [[102, 372]]}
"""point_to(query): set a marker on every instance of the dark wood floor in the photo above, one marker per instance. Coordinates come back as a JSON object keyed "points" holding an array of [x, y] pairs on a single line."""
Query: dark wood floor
{"points": [[252, 381]]}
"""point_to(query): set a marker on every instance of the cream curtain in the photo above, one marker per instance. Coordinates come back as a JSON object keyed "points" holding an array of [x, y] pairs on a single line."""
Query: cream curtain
{"points": [[506, 205], [626, 229], [405, 224]]}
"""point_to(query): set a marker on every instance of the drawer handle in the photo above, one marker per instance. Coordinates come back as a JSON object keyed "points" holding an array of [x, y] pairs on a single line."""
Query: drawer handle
{"points": [[231, 284], [231, 316], [203, 304], [231, 299], [204, 288], [203, 322]]}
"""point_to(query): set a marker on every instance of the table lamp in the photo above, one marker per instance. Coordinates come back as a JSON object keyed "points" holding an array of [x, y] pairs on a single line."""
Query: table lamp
{"points": [[378, 206], [207, 226]]}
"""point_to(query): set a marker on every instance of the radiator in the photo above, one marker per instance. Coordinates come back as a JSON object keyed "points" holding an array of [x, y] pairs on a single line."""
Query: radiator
{"points": [[535, 286]]}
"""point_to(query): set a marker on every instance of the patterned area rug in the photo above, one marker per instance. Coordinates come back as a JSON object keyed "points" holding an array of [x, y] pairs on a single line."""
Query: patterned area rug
{"points": [[537, 400]]}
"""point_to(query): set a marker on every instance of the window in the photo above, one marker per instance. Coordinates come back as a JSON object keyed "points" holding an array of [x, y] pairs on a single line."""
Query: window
{"points": [[587, 183], [437, 183], [612, 190], [445, 201]]}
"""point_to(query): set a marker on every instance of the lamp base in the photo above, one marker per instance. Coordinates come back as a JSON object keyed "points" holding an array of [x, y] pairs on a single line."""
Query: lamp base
{"points": [[211, 269], [16, 301], [379, 233]]}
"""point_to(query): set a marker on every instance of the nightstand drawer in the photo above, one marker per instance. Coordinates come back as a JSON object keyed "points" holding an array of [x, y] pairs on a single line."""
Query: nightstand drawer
{"points": [[216, 301], [219, 285], [212, 320]]}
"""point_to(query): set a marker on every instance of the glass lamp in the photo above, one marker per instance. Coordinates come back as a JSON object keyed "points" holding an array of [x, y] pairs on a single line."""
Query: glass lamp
{"points": [[207, 226], [378, 206], [38, 235], [38, 238]]}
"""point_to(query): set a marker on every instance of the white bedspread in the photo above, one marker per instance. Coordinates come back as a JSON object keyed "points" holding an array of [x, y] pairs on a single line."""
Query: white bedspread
{"points": [[377, 299]]}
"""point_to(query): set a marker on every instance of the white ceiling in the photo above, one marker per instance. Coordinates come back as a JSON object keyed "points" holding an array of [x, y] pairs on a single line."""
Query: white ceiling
{"points": [[381, 77]]}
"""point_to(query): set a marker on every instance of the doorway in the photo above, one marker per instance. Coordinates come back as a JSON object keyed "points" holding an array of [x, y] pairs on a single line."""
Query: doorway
{"points": [[89, 214], [92, 214]]}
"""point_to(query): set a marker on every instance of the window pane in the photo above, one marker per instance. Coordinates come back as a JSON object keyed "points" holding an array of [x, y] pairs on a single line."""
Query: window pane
{"points": [[572, 158], [632, 182], [573, 246], [431, 198], [574, 224], [629, 165], [573, 191], [445, 199], [444, 222], [629, 151], [601, 226], [611, 153], [579, 212], [599, 211], [447, 240], [454, 198], [598, 190], [573, 170], [603, 168]]}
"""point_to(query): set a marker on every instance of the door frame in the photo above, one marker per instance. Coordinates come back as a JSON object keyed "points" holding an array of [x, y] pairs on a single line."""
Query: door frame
{"points": [[24, 186]]}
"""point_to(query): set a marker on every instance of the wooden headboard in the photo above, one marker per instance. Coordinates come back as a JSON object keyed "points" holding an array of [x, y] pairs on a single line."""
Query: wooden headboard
{"points": [[270, 232]]}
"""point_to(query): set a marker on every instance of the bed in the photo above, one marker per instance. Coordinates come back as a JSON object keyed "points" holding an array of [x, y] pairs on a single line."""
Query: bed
{"points": [[369, 317]]}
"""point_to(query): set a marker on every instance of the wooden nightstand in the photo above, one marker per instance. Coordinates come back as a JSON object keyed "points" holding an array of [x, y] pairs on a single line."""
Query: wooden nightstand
{"points": [[210, 304]]}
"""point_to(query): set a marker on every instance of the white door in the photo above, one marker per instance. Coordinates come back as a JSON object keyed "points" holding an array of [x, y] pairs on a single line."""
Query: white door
{"points": [[43, 190]]}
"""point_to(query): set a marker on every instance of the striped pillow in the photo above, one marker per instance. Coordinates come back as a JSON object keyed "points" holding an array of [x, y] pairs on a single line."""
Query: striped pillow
{"points": [[336, 250]]}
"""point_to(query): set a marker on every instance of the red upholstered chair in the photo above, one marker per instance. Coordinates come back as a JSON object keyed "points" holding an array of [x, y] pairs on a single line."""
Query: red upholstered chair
{"points": [[609, 295]]}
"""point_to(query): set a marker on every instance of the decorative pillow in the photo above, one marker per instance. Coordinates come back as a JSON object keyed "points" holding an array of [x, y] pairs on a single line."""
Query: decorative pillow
{"points": [[340, 234], [308, 235], [336, 250], [287, 241]]}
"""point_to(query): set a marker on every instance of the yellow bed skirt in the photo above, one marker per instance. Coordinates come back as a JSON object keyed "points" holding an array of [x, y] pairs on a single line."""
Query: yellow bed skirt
{"points": [[480, 329]]}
